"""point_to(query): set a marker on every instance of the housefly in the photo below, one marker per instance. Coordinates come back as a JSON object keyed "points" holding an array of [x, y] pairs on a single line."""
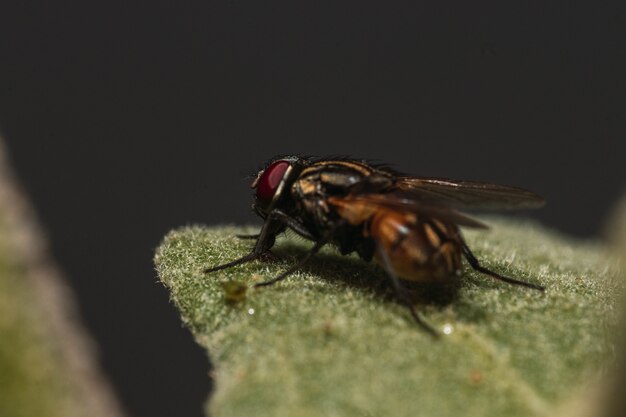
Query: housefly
{"points": [[409, 225]]}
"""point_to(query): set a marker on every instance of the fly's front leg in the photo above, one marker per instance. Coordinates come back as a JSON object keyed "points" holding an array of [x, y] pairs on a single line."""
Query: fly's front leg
{"points": [[319, 244], [264, 242], [288, 221], [275, 223], [245, 237], [292, 223]]}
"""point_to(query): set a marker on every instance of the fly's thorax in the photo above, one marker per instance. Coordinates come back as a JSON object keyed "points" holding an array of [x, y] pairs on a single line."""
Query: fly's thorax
{"points": [[319, 183], [419, 248], [339, 178]]}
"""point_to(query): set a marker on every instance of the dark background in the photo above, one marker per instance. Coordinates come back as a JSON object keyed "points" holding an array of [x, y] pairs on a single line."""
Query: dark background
{"points": [[125, 120]]}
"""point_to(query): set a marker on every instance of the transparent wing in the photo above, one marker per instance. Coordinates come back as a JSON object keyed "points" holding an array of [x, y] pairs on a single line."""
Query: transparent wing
{"points": [[467, 194], [362, 206]]}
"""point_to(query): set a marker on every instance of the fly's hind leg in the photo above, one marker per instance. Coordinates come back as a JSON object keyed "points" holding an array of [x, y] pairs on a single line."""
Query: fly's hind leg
{"points": [[401, 292], [476, 265]]}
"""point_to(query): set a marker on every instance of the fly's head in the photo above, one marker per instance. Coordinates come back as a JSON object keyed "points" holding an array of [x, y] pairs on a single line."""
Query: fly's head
{"points": [[273, 182]]}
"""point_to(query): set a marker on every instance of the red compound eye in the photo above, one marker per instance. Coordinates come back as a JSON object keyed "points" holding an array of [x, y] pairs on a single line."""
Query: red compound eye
{"points": [[270, 180]]}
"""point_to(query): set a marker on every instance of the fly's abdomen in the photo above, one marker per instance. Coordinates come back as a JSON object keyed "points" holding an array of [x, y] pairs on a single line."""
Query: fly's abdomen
{"points": [[419, 249]]}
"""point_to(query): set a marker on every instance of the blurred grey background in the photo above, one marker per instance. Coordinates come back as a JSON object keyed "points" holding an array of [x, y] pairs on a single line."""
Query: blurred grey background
{"points": [[127, 119]]}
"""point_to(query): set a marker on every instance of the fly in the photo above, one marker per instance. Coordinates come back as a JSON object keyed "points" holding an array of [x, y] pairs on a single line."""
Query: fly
{"points": [[409, 225]]}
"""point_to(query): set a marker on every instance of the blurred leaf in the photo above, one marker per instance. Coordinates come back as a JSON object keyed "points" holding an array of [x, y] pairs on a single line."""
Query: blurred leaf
{"points": [[48, 363]]}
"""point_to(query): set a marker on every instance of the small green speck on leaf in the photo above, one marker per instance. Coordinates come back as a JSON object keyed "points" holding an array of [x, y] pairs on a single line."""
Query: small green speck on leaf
{"points": [[234, 291]]}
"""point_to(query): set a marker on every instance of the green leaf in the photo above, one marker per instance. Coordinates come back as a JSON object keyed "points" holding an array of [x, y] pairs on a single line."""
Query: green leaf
{"points": [[331, 340]]}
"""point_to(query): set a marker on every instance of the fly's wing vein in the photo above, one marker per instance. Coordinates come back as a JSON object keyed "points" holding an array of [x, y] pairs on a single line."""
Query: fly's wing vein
{"points": [[466, 194]]}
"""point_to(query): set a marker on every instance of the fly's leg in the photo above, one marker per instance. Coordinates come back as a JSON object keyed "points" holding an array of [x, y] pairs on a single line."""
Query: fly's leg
{"points": [[264, 242], [274, 224], [292, 223], [268, 255], [401, 292], [316, 248], [319, 244], [261, 249], [249, 257], [245, 237], [476, 265], [288, 221]]}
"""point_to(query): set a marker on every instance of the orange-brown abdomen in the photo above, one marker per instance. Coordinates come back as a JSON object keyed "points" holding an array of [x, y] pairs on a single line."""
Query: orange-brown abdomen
{"points": [[419, 249]]}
